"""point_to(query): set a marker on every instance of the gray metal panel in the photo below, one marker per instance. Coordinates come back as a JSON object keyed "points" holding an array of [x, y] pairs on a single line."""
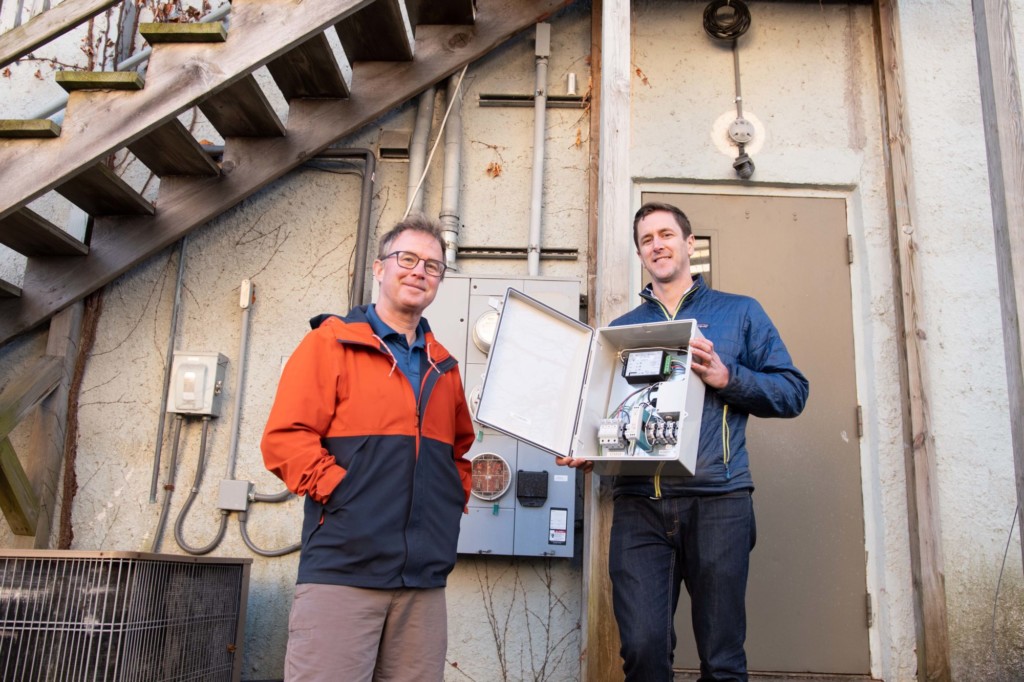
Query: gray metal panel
{"points": [[533, 524]]}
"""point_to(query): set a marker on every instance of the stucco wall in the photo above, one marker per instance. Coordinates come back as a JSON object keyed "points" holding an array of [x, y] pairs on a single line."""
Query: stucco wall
{"points": [[810, 78]]}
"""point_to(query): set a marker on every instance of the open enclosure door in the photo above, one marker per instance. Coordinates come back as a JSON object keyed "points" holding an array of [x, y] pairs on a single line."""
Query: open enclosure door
{"points": [[807, 597]]}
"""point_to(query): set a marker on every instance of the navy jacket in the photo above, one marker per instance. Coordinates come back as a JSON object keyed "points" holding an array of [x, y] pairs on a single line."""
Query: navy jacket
{"points": [[762, 382]]}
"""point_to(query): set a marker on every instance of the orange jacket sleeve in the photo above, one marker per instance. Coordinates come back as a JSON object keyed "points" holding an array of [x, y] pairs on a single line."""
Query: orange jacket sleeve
{"points": [[464, 437], [302, 411]]}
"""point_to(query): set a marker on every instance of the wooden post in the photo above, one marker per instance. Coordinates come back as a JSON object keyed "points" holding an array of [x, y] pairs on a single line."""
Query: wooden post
{"points": [[1004, 140], [614, 253], [46, 452], [919, 449]]}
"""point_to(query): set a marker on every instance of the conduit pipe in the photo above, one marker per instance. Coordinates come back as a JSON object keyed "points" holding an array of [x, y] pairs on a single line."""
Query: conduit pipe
{"points": [[179, 523], [449, 216], [168, 360], [418, 147], [246, 299], [540, 106]]}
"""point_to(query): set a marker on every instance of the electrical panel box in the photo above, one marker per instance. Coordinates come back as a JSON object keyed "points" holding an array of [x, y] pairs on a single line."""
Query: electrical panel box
{"points": [[196, 383], [569, 390], [522, 503]]}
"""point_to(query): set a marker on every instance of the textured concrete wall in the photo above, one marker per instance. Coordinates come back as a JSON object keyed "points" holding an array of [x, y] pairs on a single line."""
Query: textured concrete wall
{"points": [[810, 82]]}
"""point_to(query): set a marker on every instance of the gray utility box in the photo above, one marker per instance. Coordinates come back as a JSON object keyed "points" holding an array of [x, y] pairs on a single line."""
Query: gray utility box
{"points": [[521, 503], [562, 387]]}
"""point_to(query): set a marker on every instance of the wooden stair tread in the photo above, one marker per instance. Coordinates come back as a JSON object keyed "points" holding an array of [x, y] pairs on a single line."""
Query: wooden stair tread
{"points": [[26, 128], [119, 243], [242, 110], [99, 80], [172, 150], [8, 290], [309, 70], [381, 31], [30, 234], [99, 124], [100, 192], [209, 32]]}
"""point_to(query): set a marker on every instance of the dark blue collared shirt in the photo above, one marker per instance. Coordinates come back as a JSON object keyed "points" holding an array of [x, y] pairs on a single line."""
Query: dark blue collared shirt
{"points": [[408, 358]]}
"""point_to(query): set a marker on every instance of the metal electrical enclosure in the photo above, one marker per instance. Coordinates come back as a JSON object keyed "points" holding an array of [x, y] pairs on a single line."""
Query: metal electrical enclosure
{"points": [[196, 383], [523, 503], [559, 385]]}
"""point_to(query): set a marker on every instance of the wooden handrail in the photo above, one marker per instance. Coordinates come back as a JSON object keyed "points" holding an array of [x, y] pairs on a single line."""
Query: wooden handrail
{"points": [[44, 27]]}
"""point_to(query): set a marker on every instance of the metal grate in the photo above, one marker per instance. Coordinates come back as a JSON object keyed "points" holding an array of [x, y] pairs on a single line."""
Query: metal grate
{"points": [[120, 616]]}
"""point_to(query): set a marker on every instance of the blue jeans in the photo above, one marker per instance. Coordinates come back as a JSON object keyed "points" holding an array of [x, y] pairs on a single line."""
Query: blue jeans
{"points": [[702, 542]]}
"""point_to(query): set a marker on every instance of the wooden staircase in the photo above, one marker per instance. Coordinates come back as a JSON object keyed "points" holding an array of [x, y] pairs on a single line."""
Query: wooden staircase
{"points": [[214, 71]]}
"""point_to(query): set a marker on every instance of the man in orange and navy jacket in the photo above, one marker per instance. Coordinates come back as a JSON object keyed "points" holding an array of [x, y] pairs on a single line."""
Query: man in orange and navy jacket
{"points": [[370, 423]]}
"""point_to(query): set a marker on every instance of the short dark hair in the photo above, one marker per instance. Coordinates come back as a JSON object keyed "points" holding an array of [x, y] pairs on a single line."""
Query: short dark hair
{"points": [[655, 206], [416, 222]]}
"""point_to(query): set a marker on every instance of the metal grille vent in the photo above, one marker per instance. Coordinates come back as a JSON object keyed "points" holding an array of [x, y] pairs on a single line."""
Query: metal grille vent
{"points": [[120, 616]]}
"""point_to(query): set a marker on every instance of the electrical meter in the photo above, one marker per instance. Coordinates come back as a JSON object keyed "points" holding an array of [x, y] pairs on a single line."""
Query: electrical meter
{"points": [[483, 330], [491, 476]]}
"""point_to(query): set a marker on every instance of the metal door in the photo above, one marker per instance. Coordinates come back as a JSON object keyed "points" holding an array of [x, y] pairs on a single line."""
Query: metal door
{"points": [[807, 597]]}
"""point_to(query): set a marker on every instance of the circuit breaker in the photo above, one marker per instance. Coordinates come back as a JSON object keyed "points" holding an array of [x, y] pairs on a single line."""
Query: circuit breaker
{"points": [[522, 502]]}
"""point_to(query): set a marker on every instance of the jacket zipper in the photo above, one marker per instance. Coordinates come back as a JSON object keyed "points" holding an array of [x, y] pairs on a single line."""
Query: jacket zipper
{"points": [[669, 317]]}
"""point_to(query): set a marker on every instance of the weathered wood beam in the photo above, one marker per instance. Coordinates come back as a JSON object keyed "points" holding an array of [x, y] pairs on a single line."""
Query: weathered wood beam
{"points": [[379, 31], [1003, 113], [100, 191], [172, 150], [249, 164], [310, 70], [44, 27], [614, 253], [17, 500], [242, 110], [25, 392], [46, 448], [30, 234], [926, 558]]}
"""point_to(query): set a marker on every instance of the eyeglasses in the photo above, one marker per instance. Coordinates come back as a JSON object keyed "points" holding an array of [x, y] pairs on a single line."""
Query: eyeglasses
{"points": [[409, 260]]}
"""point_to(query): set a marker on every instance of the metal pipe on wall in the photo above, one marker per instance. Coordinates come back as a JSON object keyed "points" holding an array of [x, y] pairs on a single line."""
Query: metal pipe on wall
{"points": [[449, 215], [540, 105], [418, 148]]}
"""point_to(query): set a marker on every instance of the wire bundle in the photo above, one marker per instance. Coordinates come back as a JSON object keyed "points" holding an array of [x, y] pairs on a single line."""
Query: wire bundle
{"points": [[726, 25]]}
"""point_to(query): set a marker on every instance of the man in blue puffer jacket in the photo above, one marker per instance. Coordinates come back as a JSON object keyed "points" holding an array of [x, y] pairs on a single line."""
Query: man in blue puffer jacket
{"points": [[696, 530]]}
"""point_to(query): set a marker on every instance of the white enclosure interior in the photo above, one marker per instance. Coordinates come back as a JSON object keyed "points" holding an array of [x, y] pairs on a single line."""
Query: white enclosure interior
{"points": [[551, 380]]}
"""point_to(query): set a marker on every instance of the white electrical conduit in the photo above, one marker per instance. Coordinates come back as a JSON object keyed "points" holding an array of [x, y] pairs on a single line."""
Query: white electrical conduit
{"points": [[444, 121], [449, 215], [418, 146], [540, 106]]}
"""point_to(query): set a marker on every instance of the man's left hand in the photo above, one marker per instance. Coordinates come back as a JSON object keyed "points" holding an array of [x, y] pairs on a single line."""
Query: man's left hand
{"points": [[706, 364]]}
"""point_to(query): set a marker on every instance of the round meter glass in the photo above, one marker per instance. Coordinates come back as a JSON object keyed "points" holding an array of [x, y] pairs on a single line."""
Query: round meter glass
{"points": [[483, 330], [491, 476]]}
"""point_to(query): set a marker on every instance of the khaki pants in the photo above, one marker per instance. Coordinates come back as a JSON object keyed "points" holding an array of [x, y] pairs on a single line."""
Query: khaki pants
{"points": [[352, 634]]}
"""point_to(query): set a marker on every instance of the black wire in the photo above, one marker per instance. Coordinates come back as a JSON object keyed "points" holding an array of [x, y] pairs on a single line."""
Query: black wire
{"points": [[726, 26]]}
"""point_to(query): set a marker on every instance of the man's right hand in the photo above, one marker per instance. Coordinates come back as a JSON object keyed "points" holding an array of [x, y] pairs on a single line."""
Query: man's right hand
{"points": [[576, 463]]}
